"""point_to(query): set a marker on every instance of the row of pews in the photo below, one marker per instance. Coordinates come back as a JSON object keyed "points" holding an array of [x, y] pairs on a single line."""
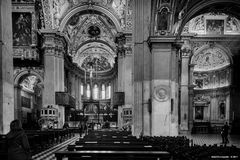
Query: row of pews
{"points": [[183, 148], [39, 140], [117, 145], [101, 145]]}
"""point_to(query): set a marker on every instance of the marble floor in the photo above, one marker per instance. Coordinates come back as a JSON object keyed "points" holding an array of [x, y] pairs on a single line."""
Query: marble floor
{"points": [[200, 139], [210, 139]]}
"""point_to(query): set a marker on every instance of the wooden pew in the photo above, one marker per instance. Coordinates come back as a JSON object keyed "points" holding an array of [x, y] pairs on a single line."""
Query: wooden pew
{"points": [[113, 147], [3, 147], [123, 155]]}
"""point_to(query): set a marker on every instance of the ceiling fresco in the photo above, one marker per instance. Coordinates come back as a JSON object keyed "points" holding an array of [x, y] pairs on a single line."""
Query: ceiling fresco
{"points": [[55, 10], [91, 34]]}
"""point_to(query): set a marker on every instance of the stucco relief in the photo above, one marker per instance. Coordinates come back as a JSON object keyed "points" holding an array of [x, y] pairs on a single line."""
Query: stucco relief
{"points": [[161, 93], [212, 23], [210, 59], [58, 8], [211, 80], [55, 10]]}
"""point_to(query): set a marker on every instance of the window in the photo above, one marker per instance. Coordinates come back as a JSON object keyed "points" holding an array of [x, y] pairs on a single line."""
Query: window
{"points": [[95, 92], [81, 88], [103, 92], [88, 91], [108, 95], [109, 91]]}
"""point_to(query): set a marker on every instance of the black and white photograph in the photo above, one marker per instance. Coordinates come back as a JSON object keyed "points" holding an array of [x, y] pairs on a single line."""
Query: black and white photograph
{"points": [[119, 79]]}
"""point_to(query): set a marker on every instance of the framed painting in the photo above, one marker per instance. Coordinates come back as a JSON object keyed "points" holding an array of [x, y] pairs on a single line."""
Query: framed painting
{"points": [[199, 112], [215, 26], [22, 28]]}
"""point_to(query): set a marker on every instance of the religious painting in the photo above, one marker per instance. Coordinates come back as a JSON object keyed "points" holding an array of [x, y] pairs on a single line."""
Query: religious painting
{"points": [[26, 102], [162, 19], [22, 28], [199, 112], [215, 26], [222, 108]]}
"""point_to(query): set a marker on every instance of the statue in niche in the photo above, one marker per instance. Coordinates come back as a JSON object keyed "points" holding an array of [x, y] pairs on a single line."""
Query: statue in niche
{"points": [[222, 109], [162, 20]]}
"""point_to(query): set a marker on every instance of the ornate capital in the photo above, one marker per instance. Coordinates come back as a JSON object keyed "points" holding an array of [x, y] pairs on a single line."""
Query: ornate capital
{"points": [[54, 43], [186, 49]]}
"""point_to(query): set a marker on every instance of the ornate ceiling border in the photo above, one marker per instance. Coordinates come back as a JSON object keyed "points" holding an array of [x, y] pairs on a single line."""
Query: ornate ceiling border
{"points": [[86, 7]]}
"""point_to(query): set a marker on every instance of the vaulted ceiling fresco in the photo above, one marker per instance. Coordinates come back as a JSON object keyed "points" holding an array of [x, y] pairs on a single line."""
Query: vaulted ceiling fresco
{"points": [[90, 32]]}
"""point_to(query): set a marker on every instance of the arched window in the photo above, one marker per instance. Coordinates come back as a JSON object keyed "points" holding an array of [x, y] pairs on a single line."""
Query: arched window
{"points": [[95, 92], [103, 92], [109, 91], [88, 91], [81, 88]]}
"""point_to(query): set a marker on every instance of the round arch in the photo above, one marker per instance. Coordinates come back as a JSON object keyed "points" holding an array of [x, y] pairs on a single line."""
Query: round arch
{"points": [[198, 9], [19, 76], [93, 7]]}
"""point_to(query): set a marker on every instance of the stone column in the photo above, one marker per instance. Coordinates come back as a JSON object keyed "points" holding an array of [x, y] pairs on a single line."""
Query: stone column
{"points": [[184, 108], [191, 96], [141, 68], [164, 88], [77, 92], [54, 71], [6, 67], [100, 90], [73, 85]]}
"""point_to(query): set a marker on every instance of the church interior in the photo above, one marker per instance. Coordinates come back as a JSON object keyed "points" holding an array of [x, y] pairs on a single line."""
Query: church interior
{"points": [[130, 73]]}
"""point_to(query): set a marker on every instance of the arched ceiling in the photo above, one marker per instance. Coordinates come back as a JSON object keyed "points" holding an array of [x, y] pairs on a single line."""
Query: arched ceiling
{"points": [[90, 27], [55, 11], [101, 55]]}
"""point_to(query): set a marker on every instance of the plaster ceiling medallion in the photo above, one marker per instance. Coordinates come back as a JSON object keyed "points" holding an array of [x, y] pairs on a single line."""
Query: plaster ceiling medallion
{"points": [[94, 31], [161, 93], [210, 59]]}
